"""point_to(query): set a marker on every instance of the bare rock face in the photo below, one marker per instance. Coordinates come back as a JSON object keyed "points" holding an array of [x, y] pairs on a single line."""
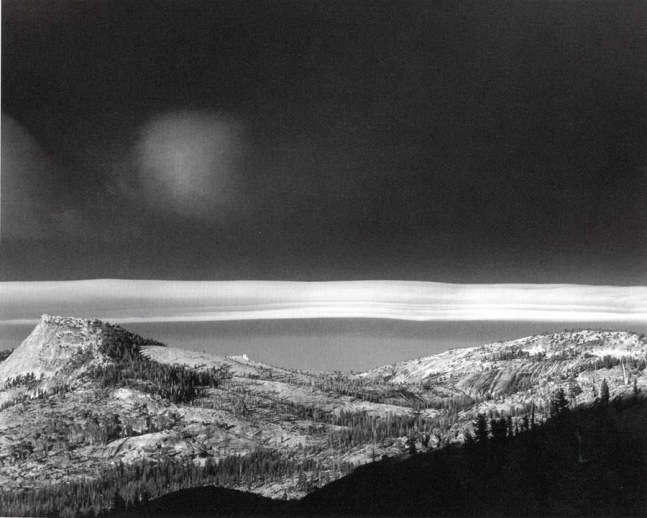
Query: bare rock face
{"points": [[53, 344], [530, 364]]}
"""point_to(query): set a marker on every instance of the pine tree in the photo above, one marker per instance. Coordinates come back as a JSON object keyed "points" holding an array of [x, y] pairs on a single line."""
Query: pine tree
{"points": [[118, 502], [574, 390], [481, 429], [411, 445], [469, 441], [499, 429], [604, 393], [559, 404], [525, 423]]}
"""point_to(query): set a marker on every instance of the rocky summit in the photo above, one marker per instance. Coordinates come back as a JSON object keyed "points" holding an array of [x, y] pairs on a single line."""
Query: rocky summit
{"points": [[83, 401]]}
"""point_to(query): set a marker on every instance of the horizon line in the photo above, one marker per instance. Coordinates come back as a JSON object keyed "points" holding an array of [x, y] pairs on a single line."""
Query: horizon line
{"points": [[296, 282]]}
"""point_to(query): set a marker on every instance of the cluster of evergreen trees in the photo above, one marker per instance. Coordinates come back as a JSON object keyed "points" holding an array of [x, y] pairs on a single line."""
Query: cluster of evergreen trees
{"points": [[118, 343], [361, 428], [578, 462], [415, 396], [39, 393], [5, 354], [585, 460], [128, 486], [28, 380], [511, 353], [178, 384], [608, 362], [130, 368], [373, 391]]}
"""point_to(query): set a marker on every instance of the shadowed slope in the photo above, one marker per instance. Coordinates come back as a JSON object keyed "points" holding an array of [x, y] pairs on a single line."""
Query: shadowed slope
{"points": [[589, 462], [208, 501]]}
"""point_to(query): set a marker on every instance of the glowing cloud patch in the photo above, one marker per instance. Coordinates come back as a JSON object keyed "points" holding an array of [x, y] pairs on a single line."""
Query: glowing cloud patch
{"points": [[188, 163]]}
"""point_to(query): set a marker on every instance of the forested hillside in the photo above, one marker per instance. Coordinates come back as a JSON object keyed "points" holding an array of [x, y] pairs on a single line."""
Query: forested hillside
{"points": [[580, 462]]}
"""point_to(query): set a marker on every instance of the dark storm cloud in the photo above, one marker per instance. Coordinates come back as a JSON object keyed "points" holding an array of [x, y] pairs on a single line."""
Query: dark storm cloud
{"points": [[453, 141]]}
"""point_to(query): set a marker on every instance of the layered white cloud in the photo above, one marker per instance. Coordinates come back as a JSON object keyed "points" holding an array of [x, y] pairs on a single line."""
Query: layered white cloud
{"points": [[127, 301]]}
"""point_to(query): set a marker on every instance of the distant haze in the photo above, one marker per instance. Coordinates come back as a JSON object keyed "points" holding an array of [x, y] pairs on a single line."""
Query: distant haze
{"points": [[324, 326]]}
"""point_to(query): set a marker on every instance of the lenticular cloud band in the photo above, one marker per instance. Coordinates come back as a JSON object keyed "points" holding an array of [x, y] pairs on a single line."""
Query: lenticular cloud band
{"points": [[158, 301]]}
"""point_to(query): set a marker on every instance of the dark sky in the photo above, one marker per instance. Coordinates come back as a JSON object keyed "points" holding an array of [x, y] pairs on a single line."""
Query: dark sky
{"points": [[442, 141]]}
